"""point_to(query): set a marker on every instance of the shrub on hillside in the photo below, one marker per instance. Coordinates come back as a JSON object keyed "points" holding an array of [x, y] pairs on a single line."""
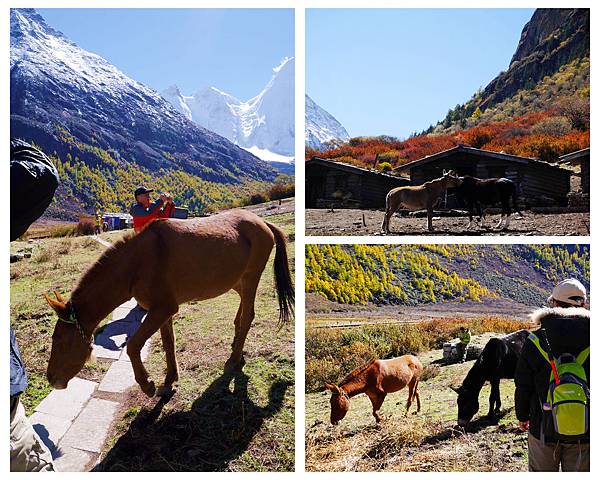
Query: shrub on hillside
{"points": [[577, 109], [281, 190], [385, 167], [86, 226], [68, 230], [257, 198], [555, 126]]}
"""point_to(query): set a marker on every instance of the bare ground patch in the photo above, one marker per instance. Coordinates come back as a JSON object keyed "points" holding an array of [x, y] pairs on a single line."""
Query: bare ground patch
{"points": [[350, 222]]}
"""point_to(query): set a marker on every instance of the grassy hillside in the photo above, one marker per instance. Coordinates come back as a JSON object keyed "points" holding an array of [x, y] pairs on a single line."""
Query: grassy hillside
{"points": [[553, 92], [107, 181], [331, 353], [420, 274]]}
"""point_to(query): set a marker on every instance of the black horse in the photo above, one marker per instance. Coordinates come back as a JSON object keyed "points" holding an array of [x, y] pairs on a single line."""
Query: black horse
{"points": [[497, 360], [476, 191]]}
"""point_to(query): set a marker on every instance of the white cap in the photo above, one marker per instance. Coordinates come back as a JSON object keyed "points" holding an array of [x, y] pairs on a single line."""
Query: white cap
{"points": [[569, 291]]}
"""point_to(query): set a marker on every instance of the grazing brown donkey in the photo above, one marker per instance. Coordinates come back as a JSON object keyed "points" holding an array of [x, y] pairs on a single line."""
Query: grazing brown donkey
{"points": [[418, 197], [376, 379], [169, 263]]}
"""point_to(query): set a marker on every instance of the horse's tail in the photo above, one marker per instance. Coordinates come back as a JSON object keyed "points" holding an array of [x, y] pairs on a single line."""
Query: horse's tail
{"points": [[283, 277]]}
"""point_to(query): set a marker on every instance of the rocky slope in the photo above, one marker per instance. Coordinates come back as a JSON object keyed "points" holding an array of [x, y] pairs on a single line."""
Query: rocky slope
{"points": [[552, 38], [550, 65]]}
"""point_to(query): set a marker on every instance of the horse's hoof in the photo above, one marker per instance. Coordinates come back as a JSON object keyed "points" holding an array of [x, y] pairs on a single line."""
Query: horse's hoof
{"points": [[165, 391], [149, 389]]}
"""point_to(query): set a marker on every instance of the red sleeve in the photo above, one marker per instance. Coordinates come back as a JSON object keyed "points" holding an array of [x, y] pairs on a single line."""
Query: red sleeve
{"points": [[168, 210]]}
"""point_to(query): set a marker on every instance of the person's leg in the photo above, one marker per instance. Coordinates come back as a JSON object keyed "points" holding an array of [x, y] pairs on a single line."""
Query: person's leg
{"points": [[27, 451], [542, 458], [575, 457], [465, 349]]}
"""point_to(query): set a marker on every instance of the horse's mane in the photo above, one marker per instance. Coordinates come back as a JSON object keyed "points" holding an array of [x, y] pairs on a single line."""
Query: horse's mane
{"points": [[357, 371], [106, 260], [478, 373], [434, 181]]}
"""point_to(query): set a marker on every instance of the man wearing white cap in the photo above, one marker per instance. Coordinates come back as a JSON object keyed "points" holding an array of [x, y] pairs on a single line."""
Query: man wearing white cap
{"points": [[568, 293], [563, 338]]}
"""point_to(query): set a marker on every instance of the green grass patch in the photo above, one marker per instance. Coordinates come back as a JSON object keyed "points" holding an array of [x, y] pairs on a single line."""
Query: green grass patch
{"points": [[55, 264]]}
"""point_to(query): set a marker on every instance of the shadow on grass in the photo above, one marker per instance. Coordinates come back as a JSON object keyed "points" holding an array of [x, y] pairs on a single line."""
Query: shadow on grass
{"points": [[473, 427], [215, 431]]}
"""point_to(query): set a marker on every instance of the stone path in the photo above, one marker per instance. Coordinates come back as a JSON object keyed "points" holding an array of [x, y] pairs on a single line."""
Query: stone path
{"points": [[74, 422]]}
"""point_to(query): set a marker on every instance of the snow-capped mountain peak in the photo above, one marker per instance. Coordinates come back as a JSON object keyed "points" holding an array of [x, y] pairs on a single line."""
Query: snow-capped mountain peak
{"points": [[264, 123], [61, 91], [321, 126]]}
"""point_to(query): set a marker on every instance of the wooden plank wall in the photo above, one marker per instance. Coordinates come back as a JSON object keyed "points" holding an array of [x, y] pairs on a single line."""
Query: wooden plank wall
{"points": [[538, 184]]}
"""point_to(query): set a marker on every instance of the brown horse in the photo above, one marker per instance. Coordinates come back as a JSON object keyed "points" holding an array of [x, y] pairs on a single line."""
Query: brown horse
{"points": [[376, 379], [169, 263], [418, 197]]}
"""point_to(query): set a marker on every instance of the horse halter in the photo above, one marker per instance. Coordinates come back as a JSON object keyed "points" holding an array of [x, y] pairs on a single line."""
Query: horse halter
{"points": [[72, 319], [342, 394]]}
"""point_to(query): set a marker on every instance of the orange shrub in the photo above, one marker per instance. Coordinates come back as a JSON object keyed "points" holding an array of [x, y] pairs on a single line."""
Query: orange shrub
{"points": [[515, 136]]}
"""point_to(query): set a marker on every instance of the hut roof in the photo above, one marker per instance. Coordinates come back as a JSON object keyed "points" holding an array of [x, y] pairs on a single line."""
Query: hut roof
{"points": [[349, 168], [574, 157], [477, 151]]}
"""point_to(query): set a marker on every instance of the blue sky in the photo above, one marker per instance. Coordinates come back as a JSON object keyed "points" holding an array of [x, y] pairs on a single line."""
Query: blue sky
{"points": [[396, 71], [234, 50]]}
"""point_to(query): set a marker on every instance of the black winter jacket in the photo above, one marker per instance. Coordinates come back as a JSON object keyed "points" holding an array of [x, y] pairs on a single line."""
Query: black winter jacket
{"points": [[568, 331]]}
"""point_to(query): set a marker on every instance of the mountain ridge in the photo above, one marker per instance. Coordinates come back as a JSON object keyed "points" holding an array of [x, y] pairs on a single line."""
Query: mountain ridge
{"points": [[55, 83], [550, 40], [265, 121], [108, 133], [322, 129]]}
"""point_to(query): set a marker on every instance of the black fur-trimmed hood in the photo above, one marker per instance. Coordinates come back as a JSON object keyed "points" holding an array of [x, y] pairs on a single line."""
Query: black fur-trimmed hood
{"points": [[559, 312], [567, 329]]}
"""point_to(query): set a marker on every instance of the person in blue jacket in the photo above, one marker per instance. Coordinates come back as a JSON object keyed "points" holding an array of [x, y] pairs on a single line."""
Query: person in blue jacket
{"points": [[33, 181]]}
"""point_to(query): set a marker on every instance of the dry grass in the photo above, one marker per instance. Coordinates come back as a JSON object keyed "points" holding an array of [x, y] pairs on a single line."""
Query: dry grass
{"points": [[331, 353], [428, 441]]}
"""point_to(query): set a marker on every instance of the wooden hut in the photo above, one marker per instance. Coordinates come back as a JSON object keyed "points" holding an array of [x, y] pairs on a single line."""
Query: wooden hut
{"points": [[580, 158], [538, 183], [331, 183]]}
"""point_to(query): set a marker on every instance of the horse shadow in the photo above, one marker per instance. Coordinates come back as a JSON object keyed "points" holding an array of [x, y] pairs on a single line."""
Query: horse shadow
{"points": [[485, 421], [215, 431], [473, 427], [121, 329]]}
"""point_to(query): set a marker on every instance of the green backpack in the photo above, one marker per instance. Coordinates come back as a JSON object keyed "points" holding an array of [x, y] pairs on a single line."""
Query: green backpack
{"points": [[568, 393]]}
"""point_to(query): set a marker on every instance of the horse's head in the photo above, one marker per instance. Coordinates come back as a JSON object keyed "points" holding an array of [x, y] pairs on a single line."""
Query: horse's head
{"points": [[340, 403], [452, 179], [468, 405], [70, 347]]}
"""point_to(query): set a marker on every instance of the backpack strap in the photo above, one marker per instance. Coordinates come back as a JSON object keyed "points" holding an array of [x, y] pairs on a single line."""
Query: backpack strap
{"points": [[583, 356], [536, 341]]}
